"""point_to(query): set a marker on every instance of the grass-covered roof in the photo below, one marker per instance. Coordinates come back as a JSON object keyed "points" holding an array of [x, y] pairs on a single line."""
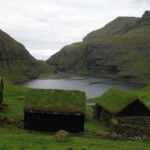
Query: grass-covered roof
{"points": [[55, 100], [114, 100], [144, 95]]}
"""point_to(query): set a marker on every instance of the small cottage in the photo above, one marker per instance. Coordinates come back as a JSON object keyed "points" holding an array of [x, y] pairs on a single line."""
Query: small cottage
{"points": [[54, 110], [121, 104]]}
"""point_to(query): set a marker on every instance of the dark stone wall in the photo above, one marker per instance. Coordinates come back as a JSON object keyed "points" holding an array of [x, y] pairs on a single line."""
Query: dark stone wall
{"points": [[53, 121]]}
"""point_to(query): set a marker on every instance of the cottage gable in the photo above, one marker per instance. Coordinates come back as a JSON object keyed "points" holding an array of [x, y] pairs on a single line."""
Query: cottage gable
{"points": [[136, 108], [116, 102]]}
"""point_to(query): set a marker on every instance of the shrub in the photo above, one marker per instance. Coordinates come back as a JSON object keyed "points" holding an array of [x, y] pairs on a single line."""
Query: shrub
{"points": [[1, 90], [89, 113]]}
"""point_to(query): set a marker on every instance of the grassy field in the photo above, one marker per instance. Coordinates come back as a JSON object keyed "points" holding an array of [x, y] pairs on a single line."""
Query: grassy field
{"points": [[15, 138]]}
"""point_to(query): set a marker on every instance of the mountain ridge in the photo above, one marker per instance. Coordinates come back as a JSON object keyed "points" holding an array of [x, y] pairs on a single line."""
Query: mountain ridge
{"points": [[119, 50]]}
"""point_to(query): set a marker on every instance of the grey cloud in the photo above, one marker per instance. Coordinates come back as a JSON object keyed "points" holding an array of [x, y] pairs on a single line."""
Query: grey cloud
{"points": [[45, 26]]}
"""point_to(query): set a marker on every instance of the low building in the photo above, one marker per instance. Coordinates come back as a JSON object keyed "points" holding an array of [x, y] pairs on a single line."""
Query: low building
{"points": [[120, 104], [54, 110]]}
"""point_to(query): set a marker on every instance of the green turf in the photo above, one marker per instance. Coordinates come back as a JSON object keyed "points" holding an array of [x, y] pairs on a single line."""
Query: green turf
{"points": [[114, 100], [55, 100], [16, 139]]}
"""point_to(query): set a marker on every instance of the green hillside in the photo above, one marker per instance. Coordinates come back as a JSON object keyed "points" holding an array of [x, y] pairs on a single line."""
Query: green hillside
{"points": [[119, 50], [16, 63], [70, 58]]}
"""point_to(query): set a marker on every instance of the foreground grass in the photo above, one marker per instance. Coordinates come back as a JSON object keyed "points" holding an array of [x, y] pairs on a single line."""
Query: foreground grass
{"points": [[17, 139], [13, 138]]}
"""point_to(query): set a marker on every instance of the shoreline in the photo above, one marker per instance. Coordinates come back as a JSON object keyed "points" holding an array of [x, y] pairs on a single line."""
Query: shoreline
{"points": [[92, 86]]}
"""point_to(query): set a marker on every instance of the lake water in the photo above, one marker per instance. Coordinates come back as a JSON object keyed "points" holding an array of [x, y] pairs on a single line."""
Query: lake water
{"points": [[91, 86]]}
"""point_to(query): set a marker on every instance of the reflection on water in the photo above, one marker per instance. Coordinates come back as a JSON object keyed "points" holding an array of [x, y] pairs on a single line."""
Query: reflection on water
{"points": [[92, 87]]}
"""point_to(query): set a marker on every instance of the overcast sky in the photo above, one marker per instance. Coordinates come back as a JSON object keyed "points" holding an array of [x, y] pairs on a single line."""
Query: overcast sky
{"points": [[45, 26]]}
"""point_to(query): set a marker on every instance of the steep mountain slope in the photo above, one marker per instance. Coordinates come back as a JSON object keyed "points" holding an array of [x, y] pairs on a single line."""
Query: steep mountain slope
{"points": [[16, 63], [70, 58], [119, 26], [120, 50]]}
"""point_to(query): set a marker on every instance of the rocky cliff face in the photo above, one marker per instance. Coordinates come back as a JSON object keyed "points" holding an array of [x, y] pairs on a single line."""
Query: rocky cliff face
{"points": [[15, 61], [120, 50]]}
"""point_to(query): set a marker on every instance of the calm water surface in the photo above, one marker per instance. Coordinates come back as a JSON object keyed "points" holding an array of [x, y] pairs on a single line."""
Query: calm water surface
{"points": [[91, 86]]}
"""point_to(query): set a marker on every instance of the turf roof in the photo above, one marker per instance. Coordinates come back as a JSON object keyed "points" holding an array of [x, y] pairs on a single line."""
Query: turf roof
{"points": [[55, 100], [144, 95], [114, 100]]}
